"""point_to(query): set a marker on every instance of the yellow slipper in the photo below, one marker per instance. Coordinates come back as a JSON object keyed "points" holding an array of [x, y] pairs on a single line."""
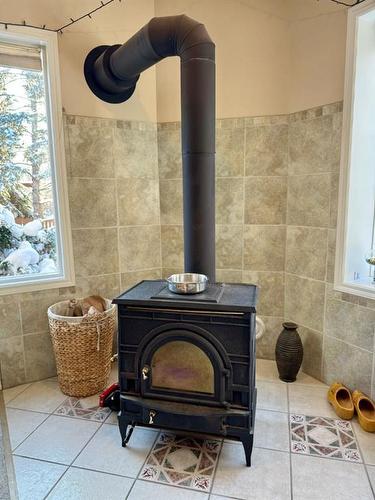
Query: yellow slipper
{"points": [[340, 398], [365, 409]]}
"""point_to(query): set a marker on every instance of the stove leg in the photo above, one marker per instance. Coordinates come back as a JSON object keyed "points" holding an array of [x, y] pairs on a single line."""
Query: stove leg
{"points": [[247, 443], [125, 433]]}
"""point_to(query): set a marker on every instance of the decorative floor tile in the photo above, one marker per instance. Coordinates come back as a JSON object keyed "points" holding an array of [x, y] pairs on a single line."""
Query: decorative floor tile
{"points": [[75, 407], [182, 461], [323, 436]]}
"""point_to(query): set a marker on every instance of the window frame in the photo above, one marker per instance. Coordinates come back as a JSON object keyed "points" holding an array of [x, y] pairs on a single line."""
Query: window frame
{"points": [[340, 283], [49, 41]]}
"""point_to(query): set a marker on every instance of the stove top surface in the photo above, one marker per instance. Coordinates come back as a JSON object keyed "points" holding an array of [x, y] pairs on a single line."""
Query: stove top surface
{"points": [[227, 296]]}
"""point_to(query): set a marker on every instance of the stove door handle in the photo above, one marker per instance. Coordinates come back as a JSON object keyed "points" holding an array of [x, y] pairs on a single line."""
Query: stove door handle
{"points": [[145, 372]]}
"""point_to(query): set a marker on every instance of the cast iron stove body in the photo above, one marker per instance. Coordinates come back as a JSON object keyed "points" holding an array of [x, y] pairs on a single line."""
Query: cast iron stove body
{"points": [[188, 362]]}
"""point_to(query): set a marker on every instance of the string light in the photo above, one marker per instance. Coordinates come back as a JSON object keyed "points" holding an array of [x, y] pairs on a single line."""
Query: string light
{"points": [[62, 28], [107, 2], [356, 2]]}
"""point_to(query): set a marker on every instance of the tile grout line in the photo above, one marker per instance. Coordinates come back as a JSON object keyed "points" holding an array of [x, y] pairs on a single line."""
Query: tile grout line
{"points": [[290, 446], [32, 432], [74, 459], [363, 460], [52, 414], [117, 213], [243, 203], [143, 464], [16, 396], [216, 466]]}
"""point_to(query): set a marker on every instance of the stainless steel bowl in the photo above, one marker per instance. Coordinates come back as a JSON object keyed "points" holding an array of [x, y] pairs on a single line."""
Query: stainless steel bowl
{"points": [[188, 283]]}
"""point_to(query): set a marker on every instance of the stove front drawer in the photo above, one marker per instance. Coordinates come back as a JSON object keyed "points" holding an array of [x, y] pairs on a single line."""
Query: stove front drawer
{"points": [[183, 416], [213, 424]]}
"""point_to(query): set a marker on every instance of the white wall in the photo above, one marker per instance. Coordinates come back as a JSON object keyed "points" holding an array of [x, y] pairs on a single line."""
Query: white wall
{"points": [[252, 56], [113, 24], [317, 43], [273, 56]]}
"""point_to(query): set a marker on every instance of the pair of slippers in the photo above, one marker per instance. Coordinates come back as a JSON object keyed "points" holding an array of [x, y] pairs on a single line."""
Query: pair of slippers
{"points": [[346, 404]]}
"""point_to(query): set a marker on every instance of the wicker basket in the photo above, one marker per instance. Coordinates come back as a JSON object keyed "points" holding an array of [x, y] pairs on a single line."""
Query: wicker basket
{"points": [[83, 348]]}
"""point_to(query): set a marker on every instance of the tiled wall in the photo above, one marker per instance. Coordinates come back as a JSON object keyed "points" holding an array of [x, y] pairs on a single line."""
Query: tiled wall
{"points": [[114, 204], [276, 203], [337, 328], [251, 186], [277, 180]]}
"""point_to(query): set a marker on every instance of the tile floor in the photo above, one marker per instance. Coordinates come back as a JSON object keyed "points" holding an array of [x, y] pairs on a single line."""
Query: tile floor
{"points": [[65, 448]]}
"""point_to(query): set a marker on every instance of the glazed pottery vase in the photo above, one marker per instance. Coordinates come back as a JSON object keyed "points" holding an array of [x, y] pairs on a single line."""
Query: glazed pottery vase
{"points": [[289, 352]]}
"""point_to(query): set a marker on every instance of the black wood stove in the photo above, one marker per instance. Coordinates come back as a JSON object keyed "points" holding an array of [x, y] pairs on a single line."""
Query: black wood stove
{"points": [[188, 362]]}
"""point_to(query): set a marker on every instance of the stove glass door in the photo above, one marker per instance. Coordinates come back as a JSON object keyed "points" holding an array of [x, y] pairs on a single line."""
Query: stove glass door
{"points": [[182, 366]]}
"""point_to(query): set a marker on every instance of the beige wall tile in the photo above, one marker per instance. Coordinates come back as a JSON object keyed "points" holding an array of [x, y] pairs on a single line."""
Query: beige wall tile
{"points": [[308, 200], [331, 255], [168, 271], [138, 202], [139, 248], [270, 293], [334, 195], [306, 252], [230, 152], [10, 320], [133, 277], [229, 201], [265, 347], [350, 323], [92, 202], [95, 251], [228, 276], [364, 302], [266, 150], [135, 153], [312, 352], [229, 246], [350, 365], [304, 301], [107, 286], [171, 201], [34, 314], [169, 154], [172, 246], [265, 200], [264, 248], [90, 151], [39, 357], [313, 146], [12, 363]]}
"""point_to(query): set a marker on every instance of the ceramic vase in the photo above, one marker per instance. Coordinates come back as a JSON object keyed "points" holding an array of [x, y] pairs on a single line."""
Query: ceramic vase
{"points": [[289, 352]]}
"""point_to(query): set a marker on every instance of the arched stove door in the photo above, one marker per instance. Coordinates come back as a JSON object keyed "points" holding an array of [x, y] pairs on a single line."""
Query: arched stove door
{"points": [[182, 365]]}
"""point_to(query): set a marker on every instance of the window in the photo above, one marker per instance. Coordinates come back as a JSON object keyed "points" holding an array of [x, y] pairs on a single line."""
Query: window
{"points": [[35, 241], [355, 253]]}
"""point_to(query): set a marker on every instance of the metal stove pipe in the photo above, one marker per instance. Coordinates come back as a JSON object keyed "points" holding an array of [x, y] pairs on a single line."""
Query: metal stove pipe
{"points": [[112, 72]]}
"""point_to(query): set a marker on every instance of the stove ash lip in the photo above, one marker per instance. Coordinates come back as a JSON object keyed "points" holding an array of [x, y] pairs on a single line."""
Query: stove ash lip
{"points": [[112, 73]]}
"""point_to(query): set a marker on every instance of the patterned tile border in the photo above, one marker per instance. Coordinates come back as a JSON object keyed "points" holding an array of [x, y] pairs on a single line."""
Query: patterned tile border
{"points": [[75, 407], [221, 123], [183, 461], [108, 122], [323, 437], [250, 121]]}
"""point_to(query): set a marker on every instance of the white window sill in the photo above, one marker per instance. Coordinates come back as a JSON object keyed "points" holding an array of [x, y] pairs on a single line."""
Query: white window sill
{"points": [[362, 288], [29, 285]]}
